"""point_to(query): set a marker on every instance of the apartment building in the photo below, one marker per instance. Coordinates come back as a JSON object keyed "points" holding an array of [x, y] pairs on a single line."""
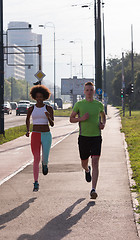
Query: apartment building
{"points": [[21, 35]]}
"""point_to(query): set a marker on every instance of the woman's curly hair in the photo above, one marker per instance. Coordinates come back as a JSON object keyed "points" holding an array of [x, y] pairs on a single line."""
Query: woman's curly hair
{"points": [[40, 89]]}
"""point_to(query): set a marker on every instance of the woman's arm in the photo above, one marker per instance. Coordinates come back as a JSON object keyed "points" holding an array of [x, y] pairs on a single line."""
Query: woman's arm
{"points": [[28, 120], [50, 115]]}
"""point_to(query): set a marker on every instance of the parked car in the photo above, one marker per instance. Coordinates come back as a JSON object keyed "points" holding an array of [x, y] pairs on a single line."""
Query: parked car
{"points": [[13, 105], [59, 102], [22, 108], [54, 106], [32, 103], [47, 103], [7, 108], [24, 101]]}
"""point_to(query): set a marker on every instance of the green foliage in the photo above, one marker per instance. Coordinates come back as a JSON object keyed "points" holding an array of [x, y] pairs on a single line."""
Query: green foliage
{"points": [[114, 79], [15, 90]]}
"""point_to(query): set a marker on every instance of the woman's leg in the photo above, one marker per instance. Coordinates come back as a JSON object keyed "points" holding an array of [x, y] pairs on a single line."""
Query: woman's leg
{"points": [[46, 140], [35, 146]]}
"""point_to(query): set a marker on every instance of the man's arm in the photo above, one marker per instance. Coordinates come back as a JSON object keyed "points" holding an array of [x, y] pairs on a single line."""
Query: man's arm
{"points": [[103, 120], [74, 119]]}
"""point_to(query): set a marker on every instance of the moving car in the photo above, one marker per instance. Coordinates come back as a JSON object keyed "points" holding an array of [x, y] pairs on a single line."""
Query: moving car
{"points": [[7, 108], [22, 108]]}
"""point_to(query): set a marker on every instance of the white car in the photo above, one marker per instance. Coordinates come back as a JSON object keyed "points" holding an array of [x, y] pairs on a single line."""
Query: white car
{"points": [[7, 108], [24, 101]]}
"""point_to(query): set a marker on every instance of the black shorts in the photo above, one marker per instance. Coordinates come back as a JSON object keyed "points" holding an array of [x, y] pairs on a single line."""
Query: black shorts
{"points": [[89, 146]]}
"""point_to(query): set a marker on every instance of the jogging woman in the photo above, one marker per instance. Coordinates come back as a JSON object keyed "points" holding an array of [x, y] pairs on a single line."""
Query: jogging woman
{"points": [[42, 116]]}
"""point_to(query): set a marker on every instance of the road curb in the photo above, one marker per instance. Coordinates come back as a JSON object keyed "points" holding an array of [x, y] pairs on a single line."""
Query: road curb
{"points": [[134, 195]]}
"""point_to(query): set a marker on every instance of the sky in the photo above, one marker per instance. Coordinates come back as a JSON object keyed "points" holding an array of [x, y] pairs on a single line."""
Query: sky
{"points": [[74, 23]]}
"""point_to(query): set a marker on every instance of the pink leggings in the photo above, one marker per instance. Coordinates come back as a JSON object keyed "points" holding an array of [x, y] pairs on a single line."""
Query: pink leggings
{"points": [[39, 139]]}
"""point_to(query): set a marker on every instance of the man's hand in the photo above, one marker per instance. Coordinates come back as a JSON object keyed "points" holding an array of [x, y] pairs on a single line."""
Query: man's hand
{"points": [[101, 125], [85, 117]]}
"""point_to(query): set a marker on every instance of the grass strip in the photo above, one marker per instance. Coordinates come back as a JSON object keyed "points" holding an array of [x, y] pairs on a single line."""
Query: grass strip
{"points": [[63, 112], [131, 129], [13, 133]]}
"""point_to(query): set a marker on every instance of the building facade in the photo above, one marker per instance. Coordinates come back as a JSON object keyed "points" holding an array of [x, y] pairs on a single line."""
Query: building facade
{"points": [[15, 63], [20, 34]]}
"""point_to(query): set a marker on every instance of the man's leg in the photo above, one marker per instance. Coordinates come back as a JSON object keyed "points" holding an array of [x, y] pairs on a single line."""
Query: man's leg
{"points": [[87, 170], [84, 164], [95, 170]]}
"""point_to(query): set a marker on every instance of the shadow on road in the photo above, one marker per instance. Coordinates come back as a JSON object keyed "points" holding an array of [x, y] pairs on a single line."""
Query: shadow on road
{"points": [[60, 226], [14, 213]]}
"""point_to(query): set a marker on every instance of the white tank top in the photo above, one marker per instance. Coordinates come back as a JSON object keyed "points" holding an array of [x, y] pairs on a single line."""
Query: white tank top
{"points": [[38, 116]]}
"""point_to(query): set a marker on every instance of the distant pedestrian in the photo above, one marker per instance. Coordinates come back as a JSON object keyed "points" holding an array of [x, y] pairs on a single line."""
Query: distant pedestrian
{"points": [[42, 116], [91, 119]]}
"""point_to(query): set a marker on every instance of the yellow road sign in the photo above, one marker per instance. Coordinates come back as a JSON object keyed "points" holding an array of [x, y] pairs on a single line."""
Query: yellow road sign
{"points": [[40, 75]]}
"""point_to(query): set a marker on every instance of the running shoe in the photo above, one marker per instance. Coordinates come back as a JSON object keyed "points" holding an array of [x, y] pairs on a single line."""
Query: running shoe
{"points": [[93, 194], [44, 169], [88, 175], [36, 186]]}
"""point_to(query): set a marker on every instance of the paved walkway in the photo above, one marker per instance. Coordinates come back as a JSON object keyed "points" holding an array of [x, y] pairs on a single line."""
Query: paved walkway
{"points": [[62, 208]]}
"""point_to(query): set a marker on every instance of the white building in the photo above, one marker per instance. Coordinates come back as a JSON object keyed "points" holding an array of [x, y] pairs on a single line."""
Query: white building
{"points": [[20, 33], [15, 63]]}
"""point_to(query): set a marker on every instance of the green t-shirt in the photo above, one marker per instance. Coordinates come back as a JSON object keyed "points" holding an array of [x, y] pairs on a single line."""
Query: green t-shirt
{"points": [[89, 127]]}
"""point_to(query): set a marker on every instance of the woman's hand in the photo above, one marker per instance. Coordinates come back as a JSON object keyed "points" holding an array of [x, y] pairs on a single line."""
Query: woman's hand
{"points": [[27, 134], [47, 114]]}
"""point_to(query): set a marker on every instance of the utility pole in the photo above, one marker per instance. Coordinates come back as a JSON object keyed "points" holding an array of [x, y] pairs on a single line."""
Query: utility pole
{"points": [[1, 71], [132, 70], [12, 89], [105, 92], [95, 36], [98, 51], [123, 86]]}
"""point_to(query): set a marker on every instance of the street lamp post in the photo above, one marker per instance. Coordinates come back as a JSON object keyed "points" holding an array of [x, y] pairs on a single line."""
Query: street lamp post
{"points": [[63, 54], [79, 40], [98, 50], [1, 71], [104, 65], [98, 65], [53, 26]]}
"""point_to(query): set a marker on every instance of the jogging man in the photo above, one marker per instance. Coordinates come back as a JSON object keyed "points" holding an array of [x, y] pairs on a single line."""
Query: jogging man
{"points": [[92, 119]]}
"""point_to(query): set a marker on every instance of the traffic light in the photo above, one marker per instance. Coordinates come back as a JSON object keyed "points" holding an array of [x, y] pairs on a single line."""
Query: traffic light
{"points": [[122, 93], [132, 87]]}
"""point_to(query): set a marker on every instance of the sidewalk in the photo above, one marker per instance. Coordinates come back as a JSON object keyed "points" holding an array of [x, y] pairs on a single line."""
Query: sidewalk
{"points": [[62, 208]]}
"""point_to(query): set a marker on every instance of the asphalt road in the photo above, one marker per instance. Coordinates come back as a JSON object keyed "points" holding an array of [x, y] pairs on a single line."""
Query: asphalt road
{"points": [[12, 120], [62, 208]]}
